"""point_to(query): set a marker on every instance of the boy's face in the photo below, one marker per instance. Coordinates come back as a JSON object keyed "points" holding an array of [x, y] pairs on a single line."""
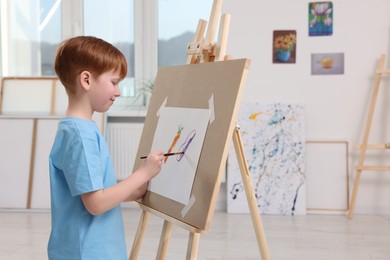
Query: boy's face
{"points": [[104, 91]]}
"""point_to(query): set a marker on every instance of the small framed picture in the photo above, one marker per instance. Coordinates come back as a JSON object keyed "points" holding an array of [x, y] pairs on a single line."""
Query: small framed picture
{"points": [[320, 19], [284, 46], [327, 63]]}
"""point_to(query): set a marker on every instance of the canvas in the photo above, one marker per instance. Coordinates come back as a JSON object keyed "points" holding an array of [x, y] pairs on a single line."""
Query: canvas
{"points": [[177, 131], [327, 63], [273, 136], [320, 18], [284, 47]]}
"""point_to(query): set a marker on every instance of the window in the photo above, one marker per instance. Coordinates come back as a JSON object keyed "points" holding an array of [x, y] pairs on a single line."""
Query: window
{"points": [[113, 21], [50, 33], [177, 22], [30, 33], [150, 33]]}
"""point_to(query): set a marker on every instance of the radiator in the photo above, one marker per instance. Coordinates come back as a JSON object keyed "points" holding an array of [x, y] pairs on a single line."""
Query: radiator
{"points": [[123, 140]]}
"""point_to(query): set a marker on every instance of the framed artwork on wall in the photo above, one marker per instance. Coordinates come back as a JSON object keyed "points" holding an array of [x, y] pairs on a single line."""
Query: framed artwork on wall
{"points": [[320, 18], [284, 46], [327, 63]]}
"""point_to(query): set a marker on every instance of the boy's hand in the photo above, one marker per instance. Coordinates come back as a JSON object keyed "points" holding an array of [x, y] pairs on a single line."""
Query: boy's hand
{"points": [[153, 163]]}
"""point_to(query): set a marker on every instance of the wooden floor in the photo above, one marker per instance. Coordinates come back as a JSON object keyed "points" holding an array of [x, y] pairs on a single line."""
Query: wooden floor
{"points": [[23, 235]]}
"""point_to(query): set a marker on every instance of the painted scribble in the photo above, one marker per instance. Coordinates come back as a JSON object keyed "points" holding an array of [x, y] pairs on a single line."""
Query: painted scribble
{"points": [[174, 125], [183, 148], [174, 142]]}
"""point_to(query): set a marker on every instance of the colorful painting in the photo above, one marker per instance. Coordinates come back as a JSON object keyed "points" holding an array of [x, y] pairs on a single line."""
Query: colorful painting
{"points": [[320, 18], [284, 46], [327, 63], [273, 137], [178, 132]]}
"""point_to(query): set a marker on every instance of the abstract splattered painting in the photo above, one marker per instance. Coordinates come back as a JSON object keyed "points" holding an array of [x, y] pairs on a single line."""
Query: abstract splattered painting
{"points": [[273, 136], [176, 132]]}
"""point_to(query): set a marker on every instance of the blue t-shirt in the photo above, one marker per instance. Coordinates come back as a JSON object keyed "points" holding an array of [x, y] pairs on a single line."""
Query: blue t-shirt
{"points": [[80, 163]]}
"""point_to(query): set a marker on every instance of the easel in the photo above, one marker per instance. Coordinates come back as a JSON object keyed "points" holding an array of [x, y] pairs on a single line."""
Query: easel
{"points": [[206, 51], [364, 145]]}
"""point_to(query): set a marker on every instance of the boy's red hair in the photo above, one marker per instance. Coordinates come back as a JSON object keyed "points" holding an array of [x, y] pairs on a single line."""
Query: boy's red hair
{"points": [[87, 53]]}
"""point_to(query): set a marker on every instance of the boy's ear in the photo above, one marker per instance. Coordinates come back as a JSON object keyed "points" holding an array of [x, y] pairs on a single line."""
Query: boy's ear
{"points": [[85, 78]]}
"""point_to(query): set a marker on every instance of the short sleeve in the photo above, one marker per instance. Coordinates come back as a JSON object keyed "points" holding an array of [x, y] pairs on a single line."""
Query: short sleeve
{"points": [[83, 171]]}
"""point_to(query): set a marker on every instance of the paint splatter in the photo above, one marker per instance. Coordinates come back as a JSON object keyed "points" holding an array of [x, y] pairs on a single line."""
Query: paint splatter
{"points": [[275, 152]]}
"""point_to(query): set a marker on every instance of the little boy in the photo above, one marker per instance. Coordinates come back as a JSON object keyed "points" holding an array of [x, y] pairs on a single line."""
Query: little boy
{"points": [[85, 197]]}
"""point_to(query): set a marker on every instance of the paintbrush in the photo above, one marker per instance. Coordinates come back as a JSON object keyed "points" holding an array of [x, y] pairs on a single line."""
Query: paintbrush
{"points": [[166, 154]]}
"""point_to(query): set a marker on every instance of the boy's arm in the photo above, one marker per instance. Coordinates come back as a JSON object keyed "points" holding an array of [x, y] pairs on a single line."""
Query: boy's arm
{"points": [[132, 188]]}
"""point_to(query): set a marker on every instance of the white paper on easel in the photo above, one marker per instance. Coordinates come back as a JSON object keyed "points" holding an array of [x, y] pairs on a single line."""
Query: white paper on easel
{"points": [[186, 129]]}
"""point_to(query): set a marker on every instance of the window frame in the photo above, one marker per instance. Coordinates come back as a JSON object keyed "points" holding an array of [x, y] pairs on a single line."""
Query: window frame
{"points": [[145, 36], [145, 32]]}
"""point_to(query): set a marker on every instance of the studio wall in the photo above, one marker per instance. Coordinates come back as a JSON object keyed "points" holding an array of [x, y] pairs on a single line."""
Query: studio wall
{"points": [[336, 106]]}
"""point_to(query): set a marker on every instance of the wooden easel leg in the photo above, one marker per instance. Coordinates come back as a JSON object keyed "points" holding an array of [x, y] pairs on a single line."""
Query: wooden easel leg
{"points": [[139, 235], [192, 59], [165, 235], [193, 244], [213, 21], [222, 38], [354, 194], [363, 147], [250, 195]]}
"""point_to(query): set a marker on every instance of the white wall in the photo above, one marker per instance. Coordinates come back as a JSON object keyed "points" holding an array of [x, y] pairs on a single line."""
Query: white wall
{"points": [[336, 105]]}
